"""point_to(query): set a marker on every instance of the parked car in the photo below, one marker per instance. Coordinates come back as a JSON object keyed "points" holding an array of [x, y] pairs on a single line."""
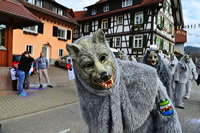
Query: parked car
{"points": [[16, 59], [61, 62]]}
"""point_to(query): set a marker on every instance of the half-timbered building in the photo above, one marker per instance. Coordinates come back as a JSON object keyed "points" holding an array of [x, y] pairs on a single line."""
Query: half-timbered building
{"points": [[132, 25]]}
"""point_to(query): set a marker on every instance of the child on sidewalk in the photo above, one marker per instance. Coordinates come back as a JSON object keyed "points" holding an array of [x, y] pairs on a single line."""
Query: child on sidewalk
{"points": [[14, 78]]}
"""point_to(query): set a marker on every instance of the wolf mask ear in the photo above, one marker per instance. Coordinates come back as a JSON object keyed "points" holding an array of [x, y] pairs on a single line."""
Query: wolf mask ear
{"points": [[148, 52], [99, 36], [73, 50]]}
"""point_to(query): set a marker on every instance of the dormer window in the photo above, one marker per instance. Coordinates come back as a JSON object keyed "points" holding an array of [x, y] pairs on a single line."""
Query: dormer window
{"points": [[94, 11], [38, 3], [106, 7], [60, 11], [126, 3]]}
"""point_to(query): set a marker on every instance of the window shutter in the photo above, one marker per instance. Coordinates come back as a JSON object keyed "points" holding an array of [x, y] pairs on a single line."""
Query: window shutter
{"points": [[156, 18], [83, 28], [145, 14], [99, 24], [155, 39], [41, 28], [68, 34], [161, 44], [145, 41], [130, 41], [109, 23], [170, 47], [132, 18], [163, 22], [55, 31], [91, 27], [111, 42]]}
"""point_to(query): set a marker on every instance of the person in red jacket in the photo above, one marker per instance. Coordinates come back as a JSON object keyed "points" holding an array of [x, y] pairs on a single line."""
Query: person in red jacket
{"points": [[69, 65]]}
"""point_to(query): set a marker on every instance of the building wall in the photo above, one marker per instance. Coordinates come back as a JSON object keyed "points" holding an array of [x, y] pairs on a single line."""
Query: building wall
{"points": [[21, 39]]}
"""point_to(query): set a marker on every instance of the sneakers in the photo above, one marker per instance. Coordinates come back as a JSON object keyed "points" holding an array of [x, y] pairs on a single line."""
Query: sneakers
{"points": [[40, 86], [181, 107], [50, 86], [23, 93], [186, 97]]}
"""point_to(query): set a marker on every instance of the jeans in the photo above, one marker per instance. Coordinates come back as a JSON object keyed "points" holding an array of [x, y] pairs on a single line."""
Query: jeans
{"points": [[21, 76]]}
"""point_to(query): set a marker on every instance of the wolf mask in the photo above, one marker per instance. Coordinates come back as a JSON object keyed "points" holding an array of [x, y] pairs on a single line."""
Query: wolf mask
{"points": [[152, 58], [126, 104], [95, 61]]}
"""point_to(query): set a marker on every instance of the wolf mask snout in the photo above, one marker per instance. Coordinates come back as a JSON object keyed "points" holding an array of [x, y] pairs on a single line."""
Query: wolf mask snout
{"points": [[105, 76]]}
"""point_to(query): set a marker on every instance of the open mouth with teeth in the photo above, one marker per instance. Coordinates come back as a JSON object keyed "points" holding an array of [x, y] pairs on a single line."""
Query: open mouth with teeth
{"points": [[153, 63], [107, 84]]}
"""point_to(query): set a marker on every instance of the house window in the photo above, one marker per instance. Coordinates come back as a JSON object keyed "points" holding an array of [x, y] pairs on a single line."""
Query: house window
{"points": [[54, 9], [117, 41], [38, 3], [138, 41], [87, 28], [126, 3], [62, 33], [60, 11], [32, 29], [61, 52], [94, 11], [139, 18], [104, 24], [29, 48], [106, 7], [2, 35], [120, 20], [31, 1]]}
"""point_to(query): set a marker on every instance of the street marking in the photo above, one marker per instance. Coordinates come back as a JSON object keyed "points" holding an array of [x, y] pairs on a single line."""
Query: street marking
{"points": [[65, 131]]}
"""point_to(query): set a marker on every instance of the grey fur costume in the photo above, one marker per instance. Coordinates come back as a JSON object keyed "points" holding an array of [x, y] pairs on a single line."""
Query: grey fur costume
{"points": [[130, 106], [163, 72]]}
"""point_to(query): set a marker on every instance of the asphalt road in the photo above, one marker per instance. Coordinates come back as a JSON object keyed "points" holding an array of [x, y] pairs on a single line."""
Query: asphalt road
{"points": [[65, 119]]}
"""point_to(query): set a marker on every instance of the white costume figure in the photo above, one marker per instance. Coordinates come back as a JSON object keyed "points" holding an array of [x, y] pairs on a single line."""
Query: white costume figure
{"points": [[181, 77], [172, 66], [192, 76], [198, 71]]}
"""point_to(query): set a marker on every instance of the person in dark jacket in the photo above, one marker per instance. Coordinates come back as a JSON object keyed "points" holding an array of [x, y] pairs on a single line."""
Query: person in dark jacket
{"points": [[23, 68]]}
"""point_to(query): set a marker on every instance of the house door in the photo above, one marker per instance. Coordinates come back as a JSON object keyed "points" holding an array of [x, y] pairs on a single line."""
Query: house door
{"points": [[45, 50], [3, 46]]}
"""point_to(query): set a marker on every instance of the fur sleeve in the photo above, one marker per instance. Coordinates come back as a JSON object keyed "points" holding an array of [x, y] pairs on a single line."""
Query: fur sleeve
{"points": [[167, 118]]}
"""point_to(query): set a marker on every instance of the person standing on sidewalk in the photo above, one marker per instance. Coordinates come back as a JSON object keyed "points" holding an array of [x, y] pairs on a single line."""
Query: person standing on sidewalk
{"points": [[23, 68], [42, 66]]}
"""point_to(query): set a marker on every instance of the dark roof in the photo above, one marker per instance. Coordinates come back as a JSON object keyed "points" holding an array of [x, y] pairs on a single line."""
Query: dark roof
{"points": [[67, 18], [79, 15], [97, 3], [82, 15], [18, 13]]}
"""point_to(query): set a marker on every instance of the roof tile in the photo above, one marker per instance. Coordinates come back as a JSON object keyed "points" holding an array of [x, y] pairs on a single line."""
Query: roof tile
{"points": [[16, 9]]}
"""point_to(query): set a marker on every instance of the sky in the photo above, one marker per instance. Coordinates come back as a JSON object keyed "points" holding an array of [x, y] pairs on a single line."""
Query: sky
{"points": [[191, 14]]}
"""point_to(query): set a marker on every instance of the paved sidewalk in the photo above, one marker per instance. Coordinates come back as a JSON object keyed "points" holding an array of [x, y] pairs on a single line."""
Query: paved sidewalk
{"points": [[63, 93], [37, 100]]}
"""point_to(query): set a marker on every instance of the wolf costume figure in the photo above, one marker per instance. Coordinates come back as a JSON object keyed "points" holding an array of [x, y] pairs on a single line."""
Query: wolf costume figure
{"points": [[181, 77], [118, 96], [153, 59], [192, 76]]}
